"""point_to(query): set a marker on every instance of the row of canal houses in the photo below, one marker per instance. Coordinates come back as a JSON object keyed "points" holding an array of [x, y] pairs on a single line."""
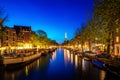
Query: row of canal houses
{"points": [[117, 43], [14, 38], [99, 48]]}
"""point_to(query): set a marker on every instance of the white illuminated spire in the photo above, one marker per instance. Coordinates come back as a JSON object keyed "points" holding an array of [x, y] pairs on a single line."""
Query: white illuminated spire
{"points": [[65, 36]]}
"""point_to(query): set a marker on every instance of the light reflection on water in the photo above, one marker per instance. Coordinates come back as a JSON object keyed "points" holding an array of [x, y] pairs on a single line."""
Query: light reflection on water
{"points": [[13, 76], [76, 61], [83, 65], [38, 63], [53, 56], [60, 65], [102, 75], [66, 59], [71, 58], [26, 70]]}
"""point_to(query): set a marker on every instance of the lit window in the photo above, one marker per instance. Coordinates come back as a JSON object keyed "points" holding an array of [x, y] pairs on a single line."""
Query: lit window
{"points": [[117, 39], [117, 30]]}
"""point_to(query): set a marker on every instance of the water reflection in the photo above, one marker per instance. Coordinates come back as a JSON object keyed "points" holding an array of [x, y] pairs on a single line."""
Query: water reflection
{"points": [[53, 56], [83, 65], [22, 72], [66, 56], [59, 65], [102, 75], [26, 70], [38, 63], [13, 76], [71, 58], [76, 61]]}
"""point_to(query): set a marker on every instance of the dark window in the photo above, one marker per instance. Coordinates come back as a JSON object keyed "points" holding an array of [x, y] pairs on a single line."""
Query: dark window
{"points": [[13, 39], [6, 43], [13, 34], [118, 50], [7, 32], [6, 37]]}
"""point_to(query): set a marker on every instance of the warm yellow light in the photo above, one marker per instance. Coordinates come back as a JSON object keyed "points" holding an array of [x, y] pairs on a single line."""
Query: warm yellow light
{"points": [[117, 39], [117, 30], [2, 48], [27, 45], [26, 70], [76, 61], [38, 46], [20, 48], [79, 45], [12, 47]]}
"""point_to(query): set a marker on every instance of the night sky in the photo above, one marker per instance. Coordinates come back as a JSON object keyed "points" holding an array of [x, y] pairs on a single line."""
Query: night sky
{"points": [[55, 17]]}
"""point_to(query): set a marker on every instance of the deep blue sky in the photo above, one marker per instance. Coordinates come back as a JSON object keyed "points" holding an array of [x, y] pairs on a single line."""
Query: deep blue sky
{"points": [[55, 17]]}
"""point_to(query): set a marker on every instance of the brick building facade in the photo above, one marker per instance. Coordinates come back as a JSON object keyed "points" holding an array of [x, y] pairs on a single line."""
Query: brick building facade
{"points": [[23, 35], [117, 42], [14, 38]]}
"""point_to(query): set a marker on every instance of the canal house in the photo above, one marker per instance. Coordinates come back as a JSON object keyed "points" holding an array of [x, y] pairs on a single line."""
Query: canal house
{"points": [[16, 38]]}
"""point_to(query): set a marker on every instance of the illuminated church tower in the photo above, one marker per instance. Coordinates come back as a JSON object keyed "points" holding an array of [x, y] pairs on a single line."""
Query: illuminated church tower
{"points": [[65, 36]]}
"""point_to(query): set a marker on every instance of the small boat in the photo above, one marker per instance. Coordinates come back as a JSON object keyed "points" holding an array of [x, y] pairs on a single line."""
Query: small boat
{"points": [[86, 58], [98, 63]]}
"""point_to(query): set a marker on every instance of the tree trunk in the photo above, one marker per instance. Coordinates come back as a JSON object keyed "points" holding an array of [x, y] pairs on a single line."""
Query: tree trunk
{"points": [[82, 46], [108, 48], [110, 41], [89, 45]]}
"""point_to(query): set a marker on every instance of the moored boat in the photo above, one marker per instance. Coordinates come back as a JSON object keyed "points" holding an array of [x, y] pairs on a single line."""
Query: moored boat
{"points": [[98, 63], [16, 60]]}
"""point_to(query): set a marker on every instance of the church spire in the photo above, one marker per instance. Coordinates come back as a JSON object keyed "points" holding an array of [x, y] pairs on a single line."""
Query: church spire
{"points": [[66, 36]]}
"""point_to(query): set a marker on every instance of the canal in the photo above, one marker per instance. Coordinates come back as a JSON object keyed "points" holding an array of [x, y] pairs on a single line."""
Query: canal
{"points": [[60, 65]]}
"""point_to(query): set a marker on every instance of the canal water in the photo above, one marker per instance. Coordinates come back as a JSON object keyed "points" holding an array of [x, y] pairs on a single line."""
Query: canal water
{"points": [[59, 65]]}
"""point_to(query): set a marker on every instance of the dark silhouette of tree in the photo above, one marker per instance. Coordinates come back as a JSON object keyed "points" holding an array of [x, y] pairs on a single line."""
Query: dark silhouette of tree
{"points": [[39, 38], [2, 20], [41, 33]]}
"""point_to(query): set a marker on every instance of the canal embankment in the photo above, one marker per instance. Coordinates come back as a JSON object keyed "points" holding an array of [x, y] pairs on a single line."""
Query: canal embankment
{"points": [[24, 57], [103, 62], [59, 65]]}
